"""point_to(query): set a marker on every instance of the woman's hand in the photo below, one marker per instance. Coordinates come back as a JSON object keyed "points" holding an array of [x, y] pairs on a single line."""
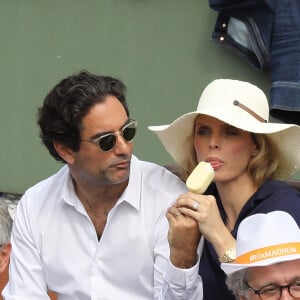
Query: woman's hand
{"points": [[204, 210]]}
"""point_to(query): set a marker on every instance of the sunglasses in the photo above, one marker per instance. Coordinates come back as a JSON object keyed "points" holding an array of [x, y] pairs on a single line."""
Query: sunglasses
{"points": [[107, 141]]}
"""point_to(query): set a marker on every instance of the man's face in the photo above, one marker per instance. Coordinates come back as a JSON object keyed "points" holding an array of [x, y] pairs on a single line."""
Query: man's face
{"points": [[278, 274], [93, 165]]}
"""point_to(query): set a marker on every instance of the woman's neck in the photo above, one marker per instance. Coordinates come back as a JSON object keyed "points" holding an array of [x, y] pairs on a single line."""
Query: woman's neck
{"points": [[234, 195]]}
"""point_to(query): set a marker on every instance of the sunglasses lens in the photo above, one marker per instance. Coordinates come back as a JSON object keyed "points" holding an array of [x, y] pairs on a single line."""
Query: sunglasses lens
{"points": [[107, 142], [129, 132]]}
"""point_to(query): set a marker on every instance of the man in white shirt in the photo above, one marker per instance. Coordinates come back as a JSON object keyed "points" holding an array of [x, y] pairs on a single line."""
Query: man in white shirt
{"points": [[97, 228]]}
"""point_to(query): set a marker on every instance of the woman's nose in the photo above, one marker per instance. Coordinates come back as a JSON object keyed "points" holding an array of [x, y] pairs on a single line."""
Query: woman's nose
{"points": [[214, 143], [214, 147]]}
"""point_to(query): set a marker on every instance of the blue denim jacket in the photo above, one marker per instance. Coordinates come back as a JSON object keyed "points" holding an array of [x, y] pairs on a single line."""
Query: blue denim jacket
{"points": [[266, 34]]}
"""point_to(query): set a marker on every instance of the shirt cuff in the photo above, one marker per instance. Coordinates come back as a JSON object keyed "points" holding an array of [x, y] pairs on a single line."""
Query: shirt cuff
{"points": [[182, 277]]}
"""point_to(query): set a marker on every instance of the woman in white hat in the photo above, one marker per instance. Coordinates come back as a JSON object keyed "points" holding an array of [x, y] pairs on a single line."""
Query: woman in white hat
{"points": [[267, 267], [230, 130]]}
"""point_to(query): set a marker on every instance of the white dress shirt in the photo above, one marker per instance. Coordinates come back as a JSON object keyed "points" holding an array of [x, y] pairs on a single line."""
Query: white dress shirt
{"points": [[55, 245]]}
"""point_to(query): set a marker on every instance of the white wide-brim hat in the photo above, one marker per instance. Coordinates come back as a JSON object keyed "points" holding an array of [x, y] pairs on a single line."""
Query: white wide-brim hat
{"points": [[276, 239], [242, 105]]}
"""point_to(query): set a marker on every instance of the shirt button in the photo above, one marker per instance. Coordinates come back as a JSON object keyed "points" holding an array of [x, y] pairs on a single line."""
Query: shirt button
{"points": [[221, 38], [224, 25]]}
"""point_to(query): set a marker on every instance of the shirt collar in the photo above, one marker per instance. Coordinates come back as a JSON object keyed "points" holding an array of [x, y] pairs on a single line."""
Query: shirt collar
{"points": [[262, 193], [132, 193]]}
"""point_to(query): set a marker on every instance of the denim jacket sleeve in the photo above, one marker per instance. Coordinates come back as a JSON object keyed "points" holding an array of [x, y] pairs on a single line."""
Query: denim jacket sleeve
{"points": [[266, 34]]}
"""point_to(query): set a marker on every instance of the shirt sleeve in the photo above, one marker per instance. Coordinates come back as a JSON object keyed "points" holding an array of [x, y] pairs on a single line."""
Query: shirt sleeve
{"points": [[26, 276]]}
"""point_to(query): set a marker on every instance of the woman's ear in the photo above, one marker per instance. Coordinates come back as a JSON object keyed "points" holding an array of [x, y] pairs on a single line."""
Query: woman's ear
{"points": [[64, 152], [254, 150], [4, 257]]}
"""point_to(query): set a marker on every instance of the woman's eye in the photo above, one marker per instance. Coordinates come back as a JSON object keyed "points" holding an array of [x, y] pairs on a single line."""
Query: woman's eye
{"points": [[231, 131], [203, 131]]}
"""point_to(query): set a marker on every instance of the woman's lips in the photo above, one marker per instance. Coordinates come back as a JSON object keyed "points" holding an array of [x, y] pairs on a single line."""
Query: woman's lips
{"points": [[215, 163]]}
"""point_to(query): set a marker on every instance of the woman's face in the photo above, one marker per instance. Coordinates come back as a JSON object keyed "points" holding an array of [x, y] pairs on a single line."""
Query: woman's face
{"points": [[227, 148]]}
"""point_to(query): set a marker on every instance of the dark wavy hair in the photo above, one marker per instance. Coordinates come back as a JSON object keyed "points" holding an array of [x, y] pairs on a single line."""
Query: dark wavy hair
{"points": [[60, 116]]}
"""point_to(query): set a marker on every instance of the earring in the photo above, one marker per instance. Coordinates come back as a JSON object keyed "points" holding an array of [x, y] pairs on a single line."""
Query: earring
{"points": [[254, 154]]}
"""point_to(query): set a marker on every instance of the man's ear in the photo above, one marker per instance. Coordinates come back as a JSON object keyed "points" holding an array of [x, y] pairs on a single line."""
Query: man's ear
{"points": [[4, 257], [65, 153]]}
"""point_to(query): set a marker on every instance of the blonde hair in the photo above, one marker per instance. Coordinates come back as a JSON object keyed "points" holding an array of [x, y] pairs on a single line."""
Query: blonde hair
{"points": [[264, 163]]}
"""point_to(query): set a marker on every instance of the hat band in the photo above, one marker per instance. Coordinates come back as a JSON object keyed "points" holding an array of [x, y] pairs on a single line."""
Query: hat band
{"points": [[268, 252], [249, 111]]}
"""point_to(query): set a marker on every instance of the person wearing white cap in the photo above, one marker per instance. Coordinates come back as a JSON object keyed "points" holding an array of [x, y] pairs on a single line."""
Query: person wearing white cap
{"points": [[267, 266], [230, 130]]}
